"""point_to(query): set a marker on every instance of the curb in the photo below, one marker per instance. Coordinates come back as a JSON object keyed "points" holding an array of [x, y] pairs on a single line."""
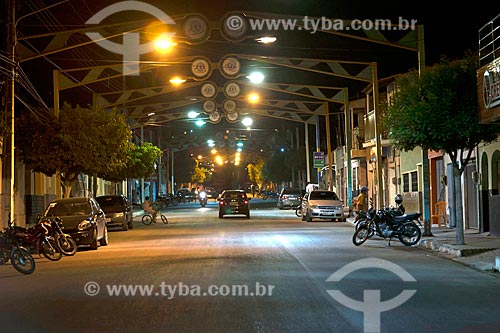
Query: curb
{"points": [[451, 249]]}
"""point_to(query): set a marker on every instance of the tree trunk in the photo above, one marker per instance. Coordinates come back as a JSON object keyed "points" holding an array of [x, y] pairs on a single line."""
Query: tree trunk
{"points": [[459, 239]]}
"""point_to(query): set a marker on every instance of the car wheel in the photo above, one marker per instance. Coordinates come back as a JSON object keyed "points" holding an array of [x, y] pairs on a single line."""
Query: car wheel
{"points": [[104, 239], [93, 245], [308, 217], [125, 227]]}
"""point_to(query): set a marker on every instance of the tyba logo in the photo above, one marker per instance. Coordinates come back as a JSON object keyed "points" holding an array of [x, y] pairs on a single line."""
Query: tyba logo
{"points": [[371, 306]]}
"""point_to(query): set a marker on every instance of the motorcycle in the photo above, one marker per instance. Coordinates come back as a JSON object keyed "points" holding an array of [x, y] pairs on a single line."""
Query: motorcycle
{"points": [[37, 239], [66, 243], [10, 249], [202, 196], [388, 223]]}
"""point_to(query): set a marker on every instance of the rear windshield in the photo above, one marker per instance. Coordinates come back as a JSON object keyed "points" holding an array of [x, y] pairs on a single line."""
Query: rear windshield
{"points": [[110, 201], [292, 191], [234, 195], [69, 209], [323, 195]]}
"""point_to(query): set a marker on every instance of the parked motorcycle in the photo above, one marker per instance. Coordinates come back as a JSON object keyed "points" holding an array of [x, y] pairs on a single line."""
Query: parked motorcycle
{"points": [[37, 239], [10, 249], [388, 223], [202, 197], [66, 243]]}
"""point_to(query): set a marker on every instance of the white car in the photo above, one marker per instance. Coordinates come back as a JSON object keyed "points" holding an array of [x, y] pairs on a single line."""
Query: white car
{"points": [[322, 204]]}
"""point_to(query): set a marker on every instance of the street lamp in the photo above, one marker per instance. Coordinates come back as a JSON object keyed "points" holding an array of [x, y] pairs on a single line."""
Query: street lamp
{"points": [[247, 121], [256, 77], [266, 39], [253, 98], [164, 43], [177, 80]]}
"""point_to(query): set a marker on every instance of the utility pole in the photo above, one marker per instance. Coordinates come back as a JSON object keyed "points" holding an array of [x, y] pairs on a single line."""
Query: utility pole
{"points": [[8, 169]]}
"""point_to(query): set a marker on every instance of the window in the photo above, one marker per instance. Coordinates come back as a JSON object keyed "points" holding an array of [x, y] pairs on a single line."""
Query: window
{"points": [[414, 181], [410, 181], [406, 182]]}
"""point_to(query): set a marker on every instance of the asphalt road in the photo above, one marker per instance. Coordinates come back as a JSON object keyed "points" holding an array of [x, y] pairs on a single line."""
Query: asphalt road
{"points": [[266, 274]]}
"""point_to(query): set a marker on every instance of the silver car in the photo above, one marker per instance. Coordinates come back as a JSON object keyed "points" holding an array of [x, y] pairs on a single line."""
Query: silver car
{"points": [[322, 204], [290, 198]]}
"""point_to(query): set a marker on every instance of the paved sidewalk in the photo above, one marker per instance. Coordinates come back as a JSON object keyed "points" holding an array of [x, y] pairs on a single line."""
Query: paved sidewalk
{"points": [[479, 252]]}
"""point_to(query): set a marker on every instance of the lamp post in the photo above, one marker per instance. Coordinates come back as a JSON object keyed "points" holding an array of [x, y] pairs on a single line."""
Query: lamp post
{"points": [[11, 96]]}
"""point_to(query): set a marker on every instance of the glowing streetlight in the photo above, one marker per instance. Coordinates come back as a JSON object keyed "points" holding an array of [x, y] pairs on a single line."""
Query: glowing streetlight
{"points": [[253, 98], [266, 39], [256, 77], [177, 80], [164, 43], [247, 121], [192, 114]]}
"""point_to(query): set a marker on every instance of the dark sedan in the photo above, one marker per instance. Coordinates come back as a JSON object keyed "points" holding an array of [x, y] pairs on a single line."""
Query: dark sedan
{"points": [[118, 211], [234, 202], [82, 218]]}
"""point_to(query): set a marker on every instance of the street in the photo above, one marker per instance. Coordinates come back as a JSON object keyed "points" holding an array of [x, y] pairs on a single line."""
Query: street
{"points": [[200, 273]]}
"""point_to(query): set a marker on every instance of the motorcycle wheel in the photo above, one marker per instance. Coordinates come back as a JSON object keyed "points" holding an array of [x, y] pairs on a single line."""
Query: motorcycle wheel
{"points": [[51, 250], [4, 256], [67, 245], [410, 234], [22, 260], [298, 212], [361, 235], [164, 219]]}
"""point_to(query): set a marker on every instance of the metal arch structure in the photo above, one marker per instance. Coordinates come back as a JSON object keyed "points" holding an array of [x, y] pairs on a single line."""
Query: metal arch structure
{"points": [[168, 113]]}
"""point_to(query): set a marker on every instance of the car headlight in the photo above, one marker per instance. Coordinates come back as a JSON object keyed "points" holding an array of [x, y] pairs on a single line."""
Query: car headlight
{"points": [[118, 215], [314, 206], [84, 225]]}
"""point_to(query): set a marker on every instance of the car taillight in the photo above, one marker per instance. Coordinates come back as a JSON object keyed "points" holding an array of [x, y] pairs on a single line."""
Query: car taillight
{"points": [[246, 201], [285, 197]]}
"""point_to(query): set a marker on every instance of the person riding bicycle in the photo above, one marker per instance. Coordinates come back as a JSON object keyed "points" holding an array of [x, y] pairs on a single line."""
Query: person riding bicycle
{"points": [[148, 208]]}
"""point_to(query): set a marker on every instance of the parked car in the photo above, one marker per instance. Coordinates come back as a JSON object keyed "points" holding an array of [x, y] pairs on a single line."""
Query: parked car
{"points": [[118, 211], [185, 195], [82, 218], [232, 202], [290, 198], [322, 204], [211, 193]]}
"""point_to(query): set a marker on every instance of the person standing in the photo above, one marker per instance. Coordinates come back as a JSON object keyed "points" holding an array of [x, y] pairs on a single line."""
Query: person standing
{"points": [[362, 200]]}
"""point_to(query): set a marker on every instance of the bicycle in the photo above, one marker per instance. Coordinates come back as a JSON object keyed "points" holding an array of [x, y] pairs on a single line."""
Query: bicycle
{"points": [[148, 218], [298, 211]]}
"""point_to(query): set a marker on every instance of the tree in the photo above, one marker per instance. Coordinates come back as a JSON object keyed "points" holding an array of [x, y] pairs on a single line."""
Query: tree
{"points": [[438, 110], [255, 173], [80, 140], [140, 163], [199, 174]]}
